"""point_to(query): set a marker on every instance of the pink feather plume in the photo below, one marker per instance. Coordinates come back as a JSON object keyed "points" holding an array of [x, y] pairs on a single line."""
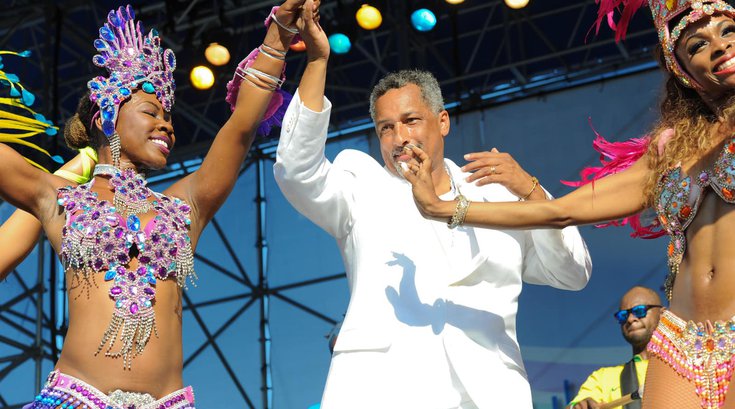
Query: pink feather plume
{"points": [[616, 157]]}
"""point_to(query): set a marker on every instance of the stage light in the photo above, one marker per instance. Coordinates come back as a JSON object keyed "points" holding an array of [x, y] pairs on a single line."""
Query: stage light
{"points": [[455, 1], [201, 77], [299, 46], [368, 17], [217, 54], [423, 19], [339, 43], [516, 4]]}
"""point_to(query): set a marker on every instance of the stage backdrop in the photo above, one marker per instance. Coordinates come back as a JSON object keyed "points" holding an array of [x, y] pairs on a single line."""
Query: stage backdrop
{"points": [[563, 335]]}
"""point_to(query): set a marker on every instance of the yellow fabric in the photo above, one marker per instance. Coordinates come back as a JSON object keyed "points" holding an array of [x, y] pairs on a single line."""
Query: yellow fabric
{"points": [[604, 384], [88, 157]]}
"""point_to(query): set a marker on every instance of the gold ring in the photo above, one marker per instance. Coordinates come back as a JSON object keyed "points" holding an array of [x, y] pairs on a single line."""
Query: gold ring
{"points": [[492, 170]]}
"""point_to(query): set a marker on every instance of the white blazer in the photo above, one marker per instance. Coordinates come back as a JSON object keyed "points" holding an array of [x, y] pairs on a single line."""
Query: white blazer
{"points": [[428, 306]]}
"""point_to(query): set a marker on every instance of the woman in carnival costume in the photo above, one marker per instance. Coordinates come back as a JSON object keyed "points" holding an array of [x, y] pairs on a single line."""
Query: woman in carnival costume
{"points": [[127, 250], [685, 172]]}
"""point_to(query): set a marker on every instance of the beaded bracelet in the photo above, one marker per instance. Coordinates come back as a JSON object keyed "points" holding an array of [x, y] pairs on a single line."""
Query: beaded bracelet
{"points": [[460, 212], [533, 189]]}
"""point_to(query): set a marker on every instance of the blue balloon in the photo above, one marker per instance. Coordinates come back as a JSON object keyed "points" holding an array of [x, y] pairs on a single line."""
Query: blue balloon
{"points": [[339, 43], [423, 19]]}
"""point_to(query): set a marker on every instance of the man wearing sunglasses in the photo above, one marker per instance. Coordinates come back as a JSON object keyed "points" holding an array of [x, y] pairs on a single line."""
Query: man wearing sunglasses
{"points": [[638, 316]]}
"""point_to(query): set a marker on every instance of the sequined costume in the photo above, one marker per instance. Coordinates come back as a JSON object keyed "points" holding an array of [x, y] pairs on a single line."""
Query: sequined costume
{"points": [[98, 236], [65, 391]]}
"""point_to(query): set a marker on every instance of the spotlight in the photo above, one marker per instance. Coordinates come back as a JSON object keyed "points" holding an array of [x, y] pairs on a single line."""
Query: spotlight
{"points": [[217, 54], [516, 4], [455, 1], [298, 47], [368, 17], [201, 77], [339, 43], [423, 19]]}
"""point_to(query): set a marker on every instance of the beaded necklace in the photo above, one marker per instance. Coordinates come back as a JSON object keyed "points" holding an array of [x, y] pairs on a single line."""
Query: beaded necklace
{"points": [[104, 237]]}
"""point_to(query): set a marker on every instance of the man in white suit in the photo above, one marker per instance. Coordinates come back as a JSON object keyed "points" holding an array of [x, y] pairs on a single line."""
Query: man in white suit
{"points": [[431, 318]]}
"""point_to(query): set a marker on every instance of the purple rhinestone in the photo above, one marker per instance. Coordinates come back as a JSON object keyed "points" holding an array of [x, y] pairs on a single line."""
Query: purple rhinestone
{"points": [[115, 290], [134, 308], [149, 291], [142, 271]]}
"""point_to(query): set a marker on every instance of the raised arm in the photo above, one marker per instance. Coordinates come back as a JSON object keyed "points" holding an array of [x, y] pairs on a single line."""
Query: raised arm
{"points": [[18, 235], [208, 187], [317, 188], [610, 198]]}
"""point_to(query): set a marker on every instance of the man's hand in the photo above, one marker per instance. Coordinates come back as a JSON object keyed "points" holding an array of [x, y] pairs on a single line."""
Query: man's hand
{"points": [[499, 167], [588, 403], [317, 44], [418, 173]]}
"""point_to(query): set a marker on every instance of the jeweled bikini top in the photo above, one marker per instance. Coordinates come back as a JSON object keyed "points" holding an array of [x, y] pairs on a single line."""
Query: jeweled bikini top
{"points": [[680, 195], [102, 237]]}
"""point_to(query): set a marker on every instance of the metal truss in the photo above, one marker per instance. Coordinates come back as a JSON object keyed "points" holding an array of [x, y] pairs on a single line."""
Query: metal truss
{"points": [[482, 53]]}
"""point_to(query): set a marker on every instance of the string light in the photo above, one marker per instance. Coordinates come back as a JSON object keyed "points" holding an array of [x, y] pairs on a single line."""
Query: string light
{"points": [[201, 77], [368, 17], [217, 54], [516, 4], [298, 46], [339, 43], [423, 20]]}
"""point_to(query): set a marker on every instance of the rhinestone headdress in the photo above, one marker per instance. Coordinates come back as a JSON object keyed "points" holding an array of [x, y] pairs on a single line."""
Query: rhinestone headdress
{"points": [[133, 60], [664, 13]]}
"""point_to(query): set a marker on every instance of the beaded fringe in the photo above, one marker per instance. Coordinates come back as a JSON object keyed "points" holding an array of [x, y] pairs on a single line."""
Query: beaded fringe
{"points": [[134, 333], [698, 354]]}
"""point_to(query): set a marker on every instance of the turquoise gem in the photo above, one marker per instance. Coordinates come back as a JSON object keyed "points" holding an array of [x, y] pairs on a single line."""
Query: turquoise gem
{"points": [[133, 223], [109, 275], [148, 87]]}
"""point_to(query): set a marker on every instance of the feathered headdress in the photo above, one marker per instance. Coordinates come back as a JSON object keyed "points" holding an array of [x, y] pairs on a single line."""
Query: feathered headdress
{"points": [[133, 60], [18, 121], [664, 13]]}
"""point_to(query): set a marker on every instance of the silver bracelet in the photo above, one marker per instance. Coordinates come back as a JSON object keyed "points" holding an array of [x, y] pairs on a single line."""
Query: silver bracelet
{"points": [[283, 26], [259, 74], [273, 50], [269, 55], [246, 76]]}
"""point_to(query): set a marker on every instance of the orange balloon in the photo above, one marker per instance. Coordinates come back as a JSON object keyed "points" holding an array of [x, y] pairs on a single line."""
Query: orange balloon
{"points": [[298, 47]]}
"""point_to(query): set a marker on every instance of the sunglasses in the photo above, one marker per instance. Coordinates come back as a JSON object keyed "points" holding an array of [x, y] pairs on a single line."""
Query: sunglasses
{"points": [[639, 311]]}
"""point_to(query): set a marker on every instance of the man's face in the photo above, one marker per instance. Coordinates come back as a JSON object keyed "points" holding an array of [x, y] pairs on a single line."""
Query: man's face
{"points": [[638, 331], [402, 117]]}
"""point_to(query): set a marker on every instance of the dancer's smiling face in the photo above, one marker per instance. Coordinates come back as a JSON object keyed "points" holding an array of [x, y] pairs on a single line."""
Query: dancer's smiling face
{"points": [[706, 51], [146, 132], [402, 117]]}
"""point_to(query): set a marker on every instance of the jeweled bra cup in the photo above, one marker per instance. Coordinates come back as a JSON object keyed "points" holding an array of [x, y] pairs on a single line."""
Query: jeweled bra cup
{"points": [[676, 208], [97, 238], [701, 353]]}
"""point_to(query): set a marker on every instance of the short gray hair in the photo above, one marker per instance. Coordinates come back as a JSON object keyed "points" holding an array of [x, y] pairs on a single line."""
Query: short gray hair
{"points": [[427, 83]]}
